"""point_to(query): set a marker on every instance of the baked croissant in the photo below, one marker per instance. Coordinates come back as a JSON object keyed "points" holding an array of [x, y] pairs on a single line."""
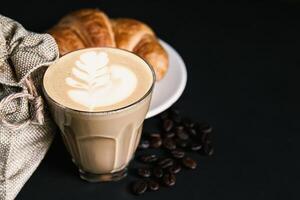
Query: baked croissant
{"points": [[92, 28]]}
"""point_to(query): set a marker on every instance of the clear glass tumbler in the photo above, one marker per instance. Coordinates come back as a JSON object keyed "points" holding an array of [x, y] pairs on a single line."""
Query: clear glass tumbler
{"points": [[102, 143]]}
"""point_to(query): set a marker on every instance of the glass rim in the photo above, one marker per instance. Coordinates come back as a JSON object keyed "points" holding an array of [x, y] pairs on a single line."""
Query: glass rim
{"points": [[149, 91]]}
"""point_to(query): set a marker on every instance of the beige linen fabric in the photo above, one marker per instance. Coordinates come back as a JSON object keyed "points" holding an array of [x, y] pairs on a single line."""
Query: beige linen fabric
{"points": [[24, 56]]}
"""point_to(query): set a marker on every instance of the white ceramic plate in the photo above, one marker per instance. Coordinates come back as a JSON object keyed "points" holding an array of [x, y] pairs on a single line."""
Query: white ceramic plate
{"points": [[168, 90]]}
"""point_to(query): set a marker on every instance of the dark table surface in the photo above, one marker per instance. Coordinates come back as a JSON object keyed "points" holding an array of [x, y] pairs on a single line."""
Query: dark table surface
{"points": [[242, 78]]}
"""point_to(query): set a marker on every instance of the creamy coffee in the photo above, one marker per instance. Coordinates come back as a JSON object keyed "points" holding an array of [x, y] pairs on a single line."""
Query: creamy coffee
{"points": [[97, 80], [99, 98]]}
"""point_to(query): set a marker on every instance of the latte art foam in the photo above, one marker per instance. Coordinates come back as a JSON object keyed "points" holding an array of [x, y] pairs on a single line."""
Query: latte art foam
{"points": [[95, 83], [97, 80]]}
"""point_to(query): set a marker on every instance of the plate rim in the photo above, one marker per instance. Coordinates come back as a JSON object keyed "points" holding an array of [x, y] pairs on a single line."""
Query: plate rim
{"points": [[179, 91]]}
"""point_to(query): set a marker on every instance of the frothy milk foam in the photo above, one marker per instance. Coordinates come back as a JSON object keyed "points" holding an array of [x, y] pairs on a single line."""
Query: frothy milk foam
{"points": [[97, 80]]}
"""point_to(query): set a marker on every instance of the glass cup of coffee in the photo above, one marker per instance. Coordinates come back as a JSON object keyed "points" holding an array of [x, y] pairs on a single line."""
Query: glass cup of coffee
{"points": [[99, 98]]}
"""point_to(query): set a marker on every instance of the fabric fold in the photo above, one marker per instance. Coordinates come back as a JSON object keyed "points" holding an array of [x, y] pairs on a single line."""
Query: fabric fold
{"points": [[24, 56], [16, 46]]}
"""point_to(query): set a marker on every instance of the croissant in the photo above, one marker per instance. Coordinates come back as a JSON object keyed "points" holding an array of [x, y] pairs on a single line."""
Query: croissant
{"points": [[92, 28]]}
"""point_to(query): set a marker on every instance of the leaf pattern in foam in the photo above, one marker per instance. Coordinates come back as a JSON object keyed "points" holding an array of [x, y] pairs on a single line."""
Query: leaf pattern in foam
{"points": [[91, 71], [94, 83]]}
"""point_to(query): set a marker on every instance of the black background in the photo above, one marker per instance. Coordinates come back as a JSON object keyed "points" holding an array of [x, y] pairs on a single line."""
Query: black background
{"points": [[242, 77]]}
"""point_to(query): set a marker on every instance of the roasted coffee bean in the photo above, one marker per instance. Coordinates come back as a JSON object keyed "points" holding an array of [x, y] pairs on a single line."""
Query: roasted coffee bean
{"points": [[154, 135], [178, 129], [167, 125], [174, 169], [192, 132], [157, 172], [155, 142], [191, 124], [169, 144], [208, 149], [144, 144], [139, 187], [182, 135], [165, 162], [178, 153], [188, 123], [149, 158], [189, 163], [169, 179], [204, 127], [144, 172], [177, 136], [153, 185], [206, 137], [181, 143], [169, 134], [195, 146]]}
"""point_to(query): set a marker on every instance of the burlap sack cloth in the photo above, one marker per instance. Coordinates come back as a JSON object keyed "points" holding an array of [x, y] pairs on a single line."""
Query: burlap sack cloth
{"points": [[26, 130]]}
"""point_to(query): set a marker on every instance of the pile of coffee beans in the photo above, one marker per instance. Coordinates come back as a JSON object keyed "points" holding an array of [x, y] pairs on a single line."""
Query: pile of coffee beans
{"points": [[177, 138]]}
